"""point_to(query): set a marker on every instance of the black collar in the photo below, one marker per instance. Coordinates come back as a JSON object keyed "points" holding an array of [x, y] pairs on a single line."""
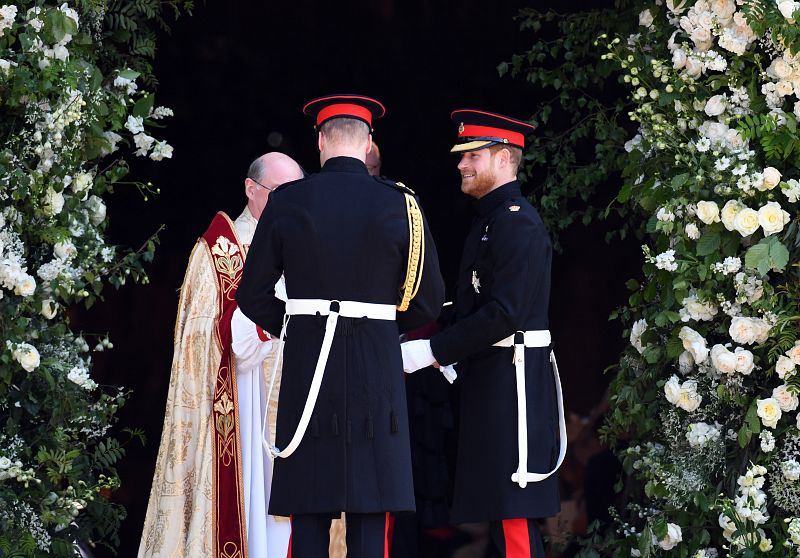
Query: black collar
{"points": [[344, 164], [496, 197]]}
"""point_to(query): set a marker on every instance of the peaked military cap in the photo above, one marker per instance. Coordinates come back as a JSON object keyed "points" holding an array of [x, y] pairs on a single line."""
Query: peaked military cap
{"points": [[359, 107], [478, 129]]}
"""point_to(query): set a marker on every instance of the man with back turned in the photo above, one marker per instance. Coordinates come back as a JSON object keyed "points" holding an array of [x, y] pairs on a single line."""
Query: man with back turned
{"points": [[360, 266]]}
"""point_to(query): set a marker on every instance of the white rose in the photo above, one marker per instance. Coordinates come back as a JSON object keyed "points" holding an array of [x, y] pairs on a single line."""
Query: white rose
{"points": [[685, 362], [708, 212], [5, 463], [694, 68], [692, 231], [784, 88], [746, 221], [672, 390], [742, 330], [64, 250], [744, 361], [27, 355], [772, 177], [97, 210], [646, 18], [729, 212], [49, 308], [788, 8], [772, 218], [716, 105], [715, 131], [794, 353], [779, 69], [673, 537], [785, 398], [678, 58], [25, 286], [82, 182], [53, 202], [689, 400], [784, 368], [694, 343], [723, 360], [639, 327], [724, 10], [701, 37], [734, 139], [770, 412]]}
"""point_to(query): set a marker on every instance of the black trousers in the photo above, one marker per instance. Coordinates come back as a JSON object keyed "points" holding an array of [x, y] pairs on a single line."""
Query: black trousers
{"points": [[517, 538], [367, 535]]}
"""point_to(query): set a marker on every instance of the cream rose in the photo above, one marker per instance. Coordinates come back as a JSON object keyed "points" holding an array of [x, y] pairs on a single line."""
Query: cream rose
{"points": [[26, 355], [746, 221], [708, 212], [784, 88], [678, 58], [25, 286], [646, 18], [772, 177], [673, 537], [729, 212], [744, 361], [769, 411], [724, 10], [794, 353], [788, 8], [784, 368], [694, 68], [49, 308], [772, 218], [779, 69], [723, 360], [715, 105], [672, 389], [694, 343], [743, 330], [64, 250], [785, 398], [53, 202], [689, 400]]}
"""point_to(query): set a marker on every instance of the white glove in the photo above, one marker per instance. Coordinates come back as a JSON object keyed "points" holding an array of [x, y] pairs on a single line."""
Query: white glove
{"points": [[416, 354], [449, 372]]}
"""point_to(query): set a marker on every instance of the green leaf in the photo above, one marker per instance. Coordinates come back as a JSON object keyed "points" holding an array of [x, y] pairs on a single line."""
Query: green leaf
{"points": [[679, 180], [129, 74], [143, 106], [708, 243]]}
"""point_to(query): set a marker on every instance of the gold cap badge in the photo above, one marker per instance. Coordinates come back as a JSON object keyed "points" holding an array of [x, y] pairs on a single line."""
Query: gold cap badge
{"points": [[460, 127], [513, 208]]}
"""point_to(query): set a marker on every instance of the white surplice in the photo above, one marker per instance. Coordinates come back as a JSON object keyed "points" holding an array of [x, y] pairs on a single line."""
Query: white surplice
{"points": [[267, 537]]}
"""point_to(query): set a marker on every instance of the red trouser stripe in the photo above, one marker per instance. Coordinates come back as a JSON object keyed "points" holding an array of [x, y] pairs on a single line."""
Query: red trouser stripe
{"points": [[518, 541], [386, 536]]}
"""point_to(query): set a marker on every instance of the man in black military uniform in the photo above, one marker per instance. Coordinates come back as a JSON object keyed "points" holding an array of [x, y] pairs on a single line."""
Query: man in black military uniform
{"points": [[360, 266], [511, 412]]}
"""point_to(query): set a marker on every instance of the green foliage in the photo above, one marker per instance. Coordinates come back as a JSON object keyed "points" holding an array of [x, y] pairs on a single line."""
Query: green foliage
{"points": [[580, 130], [70, 96]]}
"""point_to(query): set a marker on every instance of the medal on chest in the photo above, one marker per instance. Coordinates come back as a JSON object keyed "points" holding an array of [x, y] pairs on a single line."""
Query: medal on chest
{"points": [[476, 282], [485, 236]]}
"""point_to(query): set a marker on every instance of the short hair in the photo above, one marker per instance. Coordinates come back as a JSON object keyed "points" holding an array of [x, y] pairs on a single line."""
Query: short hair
{"points": [[515, 153], [345, 130], [256, 170]]}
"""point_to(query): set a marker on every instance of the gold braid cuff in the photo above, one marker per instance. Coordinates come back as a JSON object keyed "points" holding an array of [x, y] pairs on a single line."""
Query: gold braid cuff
{"points": [[416, 254]]}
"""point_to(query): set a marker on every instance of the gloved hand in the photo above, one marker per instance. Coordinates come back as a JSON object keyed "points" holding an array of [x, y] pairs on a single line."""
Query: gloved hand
{"points": [[449, 372], [416, 354]]}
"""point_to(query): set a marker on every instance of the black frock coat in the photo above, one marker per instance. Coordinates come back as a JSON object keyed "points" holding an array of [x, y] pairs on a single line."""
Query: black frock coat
{"points": [[340, 235], [503, 286]]}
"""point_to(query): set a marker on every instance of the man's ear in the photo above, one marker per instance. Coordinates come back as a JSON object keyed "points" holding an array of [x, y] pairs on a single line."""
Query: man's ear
{"points": [[249, 188], [369, 143], [320, 141]]}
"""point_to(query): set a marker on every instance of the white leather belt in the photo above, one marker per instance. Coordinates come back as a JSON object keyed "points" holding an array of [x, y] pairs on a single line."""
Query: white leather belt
{"points": [[537, 338], [311, 307]]}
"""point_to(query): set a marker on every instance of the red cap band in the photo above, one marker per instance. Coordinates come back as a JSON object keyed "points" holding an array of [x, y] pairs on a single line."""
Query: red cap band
{"points": [[345, 109], [469, 130]]}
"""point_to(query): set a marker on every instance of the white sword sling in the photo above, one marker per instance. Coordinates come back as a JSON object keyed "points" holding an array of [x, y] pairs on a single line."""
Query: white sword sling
{"points": [[540, 338], [311, 307]]}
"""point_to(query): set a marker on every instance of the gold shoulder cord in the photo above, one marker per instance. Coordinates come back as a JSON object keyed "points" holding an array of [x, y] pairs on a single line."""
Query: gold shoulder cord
{"points": [[416, 253]]}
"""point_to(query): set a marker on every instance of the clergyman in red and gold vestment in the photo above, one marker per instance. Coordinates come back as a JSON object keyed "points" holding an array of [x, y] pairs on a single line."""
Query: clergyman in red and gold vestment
{"points": [[211, 484]]}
